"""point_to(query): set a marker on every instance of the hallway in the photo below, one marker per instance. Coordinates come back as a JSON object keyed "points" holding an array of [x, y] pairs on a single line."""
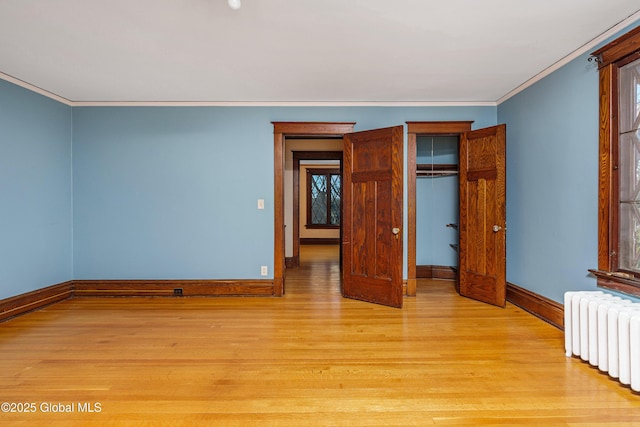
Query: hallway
{"points": [[318, 274]]}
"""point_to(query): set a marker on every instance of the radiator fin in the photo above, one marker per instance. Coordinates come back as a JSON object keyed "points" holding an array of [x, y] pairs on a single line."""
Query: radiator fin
{"points": [[604, 330]]}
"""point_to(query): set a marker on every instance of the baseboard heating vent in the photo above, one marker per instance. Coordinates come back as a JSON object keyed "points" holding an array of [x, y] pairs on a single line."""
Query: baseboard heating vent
{"points": [[604, 330]]}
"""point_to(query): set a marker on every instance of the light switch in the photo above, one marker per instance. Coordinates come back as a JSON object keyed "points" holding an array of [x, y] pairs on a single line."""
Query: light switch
{"points": [[260, 203]]}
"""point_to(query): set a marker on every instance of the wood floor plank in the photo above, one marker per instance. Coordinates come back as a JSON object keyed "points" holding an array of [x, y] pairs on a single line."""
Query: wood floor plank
{"points": [[309, 358]]}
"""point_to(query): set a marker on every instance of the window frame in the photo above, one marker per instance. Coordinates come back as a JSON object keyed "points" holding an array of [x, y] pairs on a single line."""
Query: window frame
{"points": [[610, 58], [328, 172]]}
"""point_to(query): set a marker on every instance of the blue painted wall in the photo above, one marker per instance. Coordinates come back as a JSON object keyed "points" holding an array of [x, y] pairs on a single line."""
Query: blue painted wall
{"points": [[437, 203], [552, 181], [163, 192], [171, 193], [35, 191]]}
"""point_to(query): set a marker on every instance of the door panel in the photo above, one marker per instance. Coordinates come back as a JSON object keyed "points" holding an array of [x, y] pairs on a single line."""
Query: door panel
{"points": [[482, 270], [372, 204]]}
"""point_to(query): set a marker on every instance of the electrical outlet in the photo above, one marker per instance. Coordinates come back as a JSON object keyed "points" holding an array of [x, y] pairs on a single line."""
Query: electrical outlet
{"points": [[177, 292], [264, 271]]}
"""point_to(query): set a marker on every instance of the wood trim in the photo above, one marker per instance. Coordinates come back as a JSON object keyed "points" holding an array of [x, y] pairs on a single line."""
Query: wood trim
{"points": [[131, 288], [282, 130], [34, 300], [292, 262], [414, 129], [278, 214], [436, 272], [619, 48], [321, 227], [541, 307], [317, 155], [319, 241], [617, 281], [605, 192], [611, 57], [292, 129], [439, 128], [296, 209], [412, 203]]}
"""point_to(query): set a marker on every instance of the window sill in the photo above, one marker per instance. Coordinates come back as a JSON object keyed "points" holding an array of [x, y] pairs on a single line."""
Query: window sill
{"points": [[336, 227], [620, 282]]}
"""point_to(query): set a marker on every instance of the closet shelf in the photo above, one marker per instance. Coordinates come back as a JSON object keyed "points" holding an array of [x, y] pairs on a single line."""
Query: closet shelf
{"points": [[425, 169]]}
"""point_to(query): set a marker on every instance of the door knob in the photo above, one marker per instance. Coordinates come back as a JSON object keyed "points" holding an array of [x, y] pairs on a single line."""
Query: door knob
{"points": [[496, 228], [395, 231]]}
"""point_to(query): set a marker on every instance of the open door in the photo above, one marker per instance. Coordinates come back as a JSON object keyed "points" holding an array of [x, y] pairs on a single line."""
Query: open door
{"points": [[482, 265], [372, 216]]}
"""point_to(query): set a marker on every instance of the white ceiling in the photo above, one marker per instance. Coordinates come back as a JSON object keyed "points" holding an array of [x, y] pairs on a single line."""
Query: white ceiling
{"points": [[288, 51]]}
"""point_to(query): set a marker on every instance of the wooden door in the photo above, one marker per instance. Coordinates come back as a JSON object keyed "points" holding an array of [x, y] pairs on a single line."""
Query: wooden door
{"points": [[482, 266], [372, 216]]}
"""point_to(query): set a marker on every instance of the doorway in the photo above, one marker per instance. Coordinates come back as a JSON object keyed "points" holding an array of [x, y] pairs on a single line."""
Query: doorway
{"points": [[372, 253], [281, 132], [437, 206], [315, 192], [414, 131], [482, 180], [482, 212], [319, 275]]}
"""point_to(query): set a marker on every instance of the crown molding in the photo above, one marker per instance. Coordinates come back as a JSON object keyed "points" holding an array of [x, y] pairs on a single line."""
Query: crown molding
{"points": [[573, 55], [283, 104], [546, 72], [35, 89], [70, 103]]}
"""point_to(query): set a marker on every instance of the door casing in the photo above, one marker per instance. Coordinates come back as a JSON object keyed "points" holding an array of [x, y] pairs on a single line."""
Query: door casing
{"points": [[415, 129], [281, 131]]}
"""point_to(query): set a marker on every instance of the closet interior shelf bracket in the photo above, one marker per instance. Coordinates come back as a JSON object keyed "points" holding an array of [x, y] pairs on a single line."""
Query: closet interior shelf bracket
{"points": [[425, 169]]}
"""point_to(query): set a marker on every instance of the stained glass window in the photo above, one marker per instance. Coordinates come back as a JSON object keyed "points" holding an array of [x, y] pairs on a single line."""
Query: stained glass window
{"points": [[324, 197]]}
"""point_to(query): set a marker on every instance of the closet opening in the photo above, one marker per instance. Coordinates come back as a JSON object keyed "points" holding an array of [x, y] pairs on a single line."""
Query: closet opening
{"points": [[433, 200], [437, 206]]}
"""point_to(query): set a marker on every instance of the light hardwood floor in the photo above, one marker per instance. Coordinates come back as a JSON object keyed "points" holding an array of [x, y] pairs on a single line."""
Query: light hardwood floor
{"points": [[309, 358]]}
